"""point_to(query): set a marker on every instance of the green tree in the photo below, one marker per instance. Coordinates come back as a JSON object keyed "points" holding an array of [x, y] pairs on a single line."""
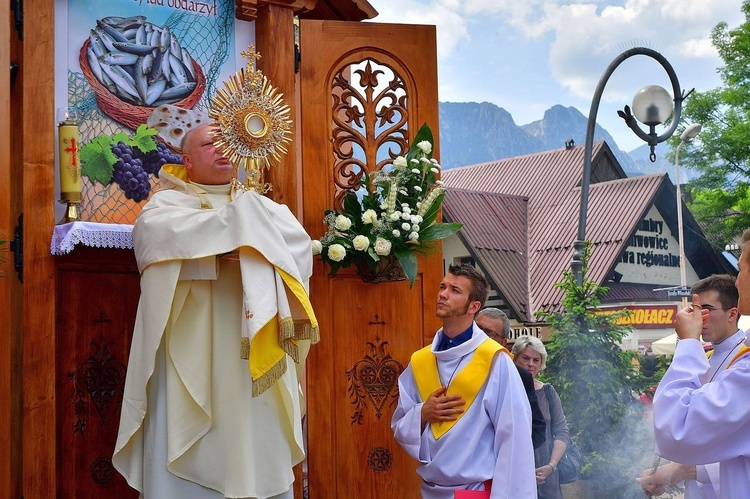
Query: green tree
{"points": [[599, 384], [720, 198]]}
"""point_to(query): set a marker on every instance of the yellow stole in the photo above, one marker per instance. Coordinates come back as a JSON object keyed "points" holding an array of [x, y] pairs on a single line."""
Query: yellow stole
{"points": [[745, 349], [466, 383]]}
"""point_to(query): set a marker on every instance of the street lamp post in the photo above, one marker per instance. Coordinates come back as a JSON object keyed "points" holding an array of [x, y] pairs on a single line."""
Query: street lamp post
{"points": [[650, 108], [689, 134]]}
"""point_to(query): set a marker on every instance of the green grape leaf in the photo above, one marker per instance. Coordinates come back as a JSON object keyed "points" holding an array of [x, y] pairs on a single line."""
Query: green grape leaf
{"points": [[97, 160], [144, 139], [121, 137]]}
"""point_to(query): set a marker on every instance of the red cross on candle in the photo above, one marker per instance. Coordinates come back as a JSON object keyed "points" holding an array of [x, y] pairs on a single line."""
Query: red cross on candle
{"points": [[73, 150]]}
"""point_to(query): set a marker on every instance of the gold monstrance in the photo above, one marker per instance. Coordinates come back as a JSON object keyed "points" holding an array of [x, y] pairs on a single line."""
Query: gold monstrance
{"points": [[252, 121]]}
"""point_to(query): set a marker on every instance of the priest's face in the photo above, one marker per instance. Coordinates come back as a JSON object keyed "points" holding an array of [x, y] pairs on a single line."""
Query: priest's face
{"points": [[453, 298], [204, 163], [720, 323]]}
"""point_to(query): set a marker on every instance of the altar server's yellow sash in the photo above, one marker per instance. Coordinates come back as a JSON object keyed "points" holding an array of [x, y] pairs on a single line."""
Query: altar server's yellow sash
{"points": [[743, 351], [466, 383]]}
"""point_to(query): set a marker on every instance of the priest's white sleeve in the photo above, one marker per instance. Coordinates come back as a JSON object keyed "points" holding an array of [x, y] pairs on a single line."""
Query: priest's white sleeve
{"points": [[407, 418], [700, 424]]}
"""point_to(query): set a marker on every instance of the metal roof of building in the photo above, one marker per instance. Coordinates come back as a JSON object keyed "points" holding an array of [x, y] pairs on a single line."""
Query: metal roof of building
{"points": [[495, 232], [549, 185]]}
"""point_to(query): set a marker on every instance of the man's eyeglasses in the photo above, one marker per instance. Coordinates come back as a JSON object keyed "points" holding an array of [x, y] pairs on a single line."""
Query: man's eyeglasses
{"points": [[711, 308]]}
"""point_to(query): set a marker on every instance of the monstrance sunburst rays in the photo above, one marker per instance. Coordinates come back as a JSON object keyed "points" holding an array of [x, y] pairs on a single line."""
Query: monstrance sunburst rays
{"points": [[253, 123]]}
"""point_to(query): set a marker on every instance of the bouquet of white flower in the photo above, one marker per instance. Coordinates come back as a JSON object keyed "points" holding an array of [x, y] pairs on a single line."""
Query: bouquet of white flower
{"points": [[395, 214]]}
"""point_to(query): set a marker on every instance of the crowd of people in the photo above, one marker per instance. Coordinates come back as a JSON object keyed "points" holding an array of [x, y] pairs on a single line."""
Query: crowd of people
{"points": [[473, 415]]}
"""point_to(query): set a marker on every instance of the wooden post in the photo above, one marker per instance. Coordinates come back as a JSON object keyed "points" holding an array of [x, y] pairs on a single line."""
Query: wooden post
{"points": [[274, 39], [38, 170]]}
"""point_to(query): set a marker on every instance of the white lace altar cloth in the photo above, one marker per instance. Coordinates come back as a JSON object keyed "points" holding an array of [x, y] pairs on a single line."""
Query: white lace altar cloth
{"points": [[93, 234]]}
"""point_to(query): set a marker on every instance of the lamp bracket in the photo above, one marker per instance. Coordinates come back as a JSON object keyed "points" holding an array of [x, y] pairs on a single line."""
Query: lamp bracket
{"points": [[16, 246]]}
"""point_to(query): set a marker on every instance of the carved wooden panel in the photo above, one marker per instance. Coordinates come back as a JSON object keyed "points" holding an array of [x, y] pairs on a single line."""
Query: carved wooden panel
{"points": [[387, 332], [369, 101], [365, 88], [98, 294], [373, 379]]}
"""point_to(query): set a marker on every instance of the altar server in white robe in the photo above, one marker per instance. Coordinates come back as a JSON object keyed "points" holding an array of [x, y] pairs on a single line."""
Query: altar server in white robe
{"points": [[697, 422], [718, 295], [212, 404], [463, 413]]}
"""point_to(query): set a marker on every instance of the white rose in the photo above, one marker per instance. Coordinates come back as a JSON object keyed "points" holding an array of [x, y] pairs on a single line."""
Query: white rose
{"points": [[405, 216], [369, 216], [317, 247], [396, 233], [416, 219], [336, 252], [342, 223], [405, 226], [414, 236], [425, 147], [382, 246], [415, 228], [399, 162], [395, 216], [361, 243], [405, 208]]}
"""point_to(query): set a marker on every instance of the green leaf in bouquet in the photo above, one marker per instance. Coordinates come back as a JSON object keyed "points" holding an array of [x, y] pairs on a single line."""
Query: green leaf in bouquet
{"points": [[439, 231], [408, 261], [424, 133], [431, 214]]}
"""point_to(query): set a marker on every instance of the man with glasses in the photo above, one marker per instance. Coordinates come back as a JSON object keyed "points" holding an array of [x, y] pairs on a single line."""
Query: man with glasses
{"points": [[718, 299], [494, 323]]}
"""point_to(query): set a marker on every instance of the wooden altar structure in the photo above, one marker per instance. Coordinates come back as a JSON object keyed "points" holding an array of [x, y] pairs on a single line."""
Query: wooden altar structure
{"points": [[64, 330]]}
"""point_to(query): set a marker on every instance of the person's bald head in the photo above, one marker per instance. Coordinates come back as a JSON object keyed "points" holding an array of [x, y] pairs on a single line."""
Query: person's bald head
{"points": [[204, 163]]}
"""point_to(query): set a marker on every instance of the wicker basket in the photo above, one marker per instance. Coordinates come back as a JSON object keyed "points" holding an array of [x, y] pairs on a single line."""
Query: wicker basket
{"points": [[128, 114]]}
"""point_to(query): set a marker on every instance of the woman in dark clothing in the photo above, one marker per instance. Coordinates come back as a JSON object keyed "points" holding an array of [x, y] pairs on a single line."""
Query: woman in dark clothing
{"points": [[529, 353]]}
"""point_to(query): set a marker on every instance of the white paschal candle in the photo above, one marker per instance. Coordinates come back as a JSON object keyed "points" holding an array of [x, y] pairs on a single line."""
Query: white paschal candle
{"points": [[70, 164]]}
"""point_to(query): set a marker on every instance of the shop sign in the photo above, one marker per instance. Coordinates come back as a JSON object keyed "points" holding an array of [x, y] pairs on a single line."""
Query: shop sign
{"points": [[646, 317]]}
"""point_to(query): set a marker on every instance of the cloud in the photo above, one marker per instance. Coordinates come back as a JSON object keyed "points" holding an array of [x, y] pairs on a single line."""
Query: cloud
{"points": [[587, 38], [446, 15]]}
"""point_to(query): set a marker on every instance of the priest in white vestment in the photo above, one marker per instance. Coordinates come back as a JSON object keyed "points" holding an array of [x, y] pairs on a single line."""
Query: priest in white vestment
{"points": [[718, 295], [463, 413], [697, 422], [212, 406]]}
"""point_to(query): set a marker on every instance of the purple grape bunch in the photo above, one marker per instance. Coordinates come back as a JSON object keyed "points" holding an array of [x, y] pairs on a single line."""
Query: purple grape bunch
{"points": [[133, 167], [129, 173], [154, 160]]}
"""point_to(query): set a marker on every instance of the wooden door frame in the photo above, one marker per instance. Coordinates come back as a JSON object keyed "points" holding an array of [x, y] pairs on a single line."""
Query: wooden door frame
{"points": [[38, 163], [10, 288], [380, 41]]}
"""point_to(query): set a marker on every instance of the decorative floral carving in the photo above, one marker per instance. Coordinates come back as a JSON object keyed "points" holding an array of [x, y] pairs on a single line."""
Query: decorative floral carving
{"points": [[370, 121], [99, 380], [380, 459], [373, 378], [102, 471]]}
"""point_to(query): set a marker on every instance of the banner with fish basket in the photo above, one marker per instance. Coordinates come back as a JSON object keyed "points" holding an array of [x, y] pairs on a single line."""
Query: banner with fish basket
{"points": [[140, 75]]}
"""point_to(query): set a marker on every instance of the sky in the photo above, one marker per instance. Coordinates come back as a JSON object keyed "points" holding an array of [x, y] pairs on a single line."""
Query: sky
{"points": [[529, 55]]}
